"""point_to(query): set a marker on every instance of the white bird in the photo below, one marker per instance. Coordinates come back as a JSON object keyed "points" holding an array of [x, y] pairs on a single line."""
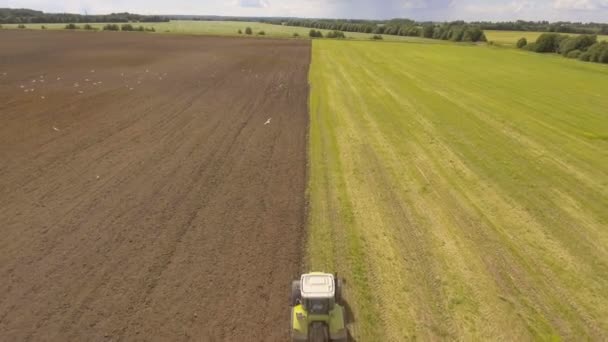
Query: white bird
{"points": [[267, 121], [55, 129]]}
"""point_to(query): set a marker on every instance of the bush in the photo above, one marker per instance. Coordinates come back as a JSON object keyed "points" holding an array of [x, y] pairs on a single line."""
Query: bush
{"points": [[261, 33], [574, 54], [239, 31], [41, 27], [530, 47], [376, 37], [71, 27], [336, 34], [21, 26], [596, 53], [88, 27], [140, 29], [248, 30], [549, 42], [111, 27], [582, 42], [296, 34], [126, 27], [315, 34], [521, 43], [585, 57], [150, 29]]}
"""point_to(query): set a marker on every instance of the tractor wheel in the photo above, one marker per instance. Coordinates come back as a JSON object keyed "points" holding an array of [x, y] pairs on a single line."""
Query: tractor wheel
{"points": [[318, 332], [296, 295], [338, 295]]}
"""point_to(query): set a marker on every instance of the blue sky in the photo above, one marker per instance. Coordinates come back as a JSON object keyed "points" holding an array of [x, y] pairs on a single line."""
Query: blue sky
{"points": [[553, 10]]}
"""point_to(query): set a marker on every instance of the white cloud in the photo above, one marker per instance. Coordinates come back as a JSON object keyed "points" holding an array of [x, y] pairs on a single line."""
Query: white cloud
{"points": [[582, 5], [253, 3]]}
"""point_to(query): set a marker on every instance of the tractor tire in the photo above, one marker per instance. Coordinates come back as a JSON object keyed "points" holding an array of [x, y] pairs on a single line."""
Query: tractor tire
{"points": [[318, 332], [296, 294], [338, 295]]}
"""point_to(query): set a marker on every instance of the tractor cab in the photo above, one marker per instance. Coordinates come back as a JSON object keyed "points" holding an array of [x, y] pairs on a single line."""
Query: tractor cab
{"points": [[316, 313], [318, 293]]}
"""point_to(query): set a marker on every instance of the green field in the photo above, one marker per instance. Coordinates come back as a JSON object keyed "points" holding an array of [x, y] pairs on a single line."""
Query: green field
{"points": [[462, 191], [225, 28], [511, 37]]}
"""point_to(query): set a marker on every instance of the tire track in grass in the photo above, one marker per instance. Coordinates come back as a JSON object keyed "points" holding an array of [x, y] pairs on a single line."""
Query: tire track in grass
{"points": [[418, 155]]}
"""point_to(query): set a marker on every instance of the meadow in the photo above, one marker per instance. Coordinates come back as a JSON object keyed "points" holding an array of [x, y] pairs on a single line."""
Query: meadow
{"points": [[511, 37], [460, 190], [225, 28]]}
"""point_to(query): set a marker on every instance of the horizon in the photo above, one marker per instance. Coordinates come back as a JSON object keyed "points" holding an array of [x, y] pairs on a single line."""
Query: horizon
{"points": [[584, 11]]}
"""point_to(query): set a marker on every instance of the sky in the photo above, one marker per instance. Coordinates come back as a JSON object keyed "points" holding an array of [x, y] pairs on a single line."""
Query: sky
{"points": [[439, 10]]}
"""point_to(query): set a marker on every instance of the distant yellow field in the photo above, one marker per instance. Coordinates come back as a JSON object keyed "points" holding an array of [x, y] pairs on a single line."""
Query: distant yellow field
{"points": [[511, 37]]}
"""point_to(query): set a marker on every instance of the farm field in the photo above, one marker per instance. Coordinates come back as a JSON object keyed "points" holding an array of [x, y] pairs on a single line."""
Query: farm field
{"points": [[511, 37], [460, 190], [151, 186], [228, 28]]}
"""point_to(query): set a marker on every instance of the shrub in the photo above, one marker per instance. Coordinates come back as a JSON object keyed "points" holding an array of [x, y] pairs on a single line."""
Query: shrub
{"points": [[21, 26], [41, 27], [582, 42], [71, 27], [296, 34], [126, 27], [530, 47], [88, 27], [336, 34], [111, 27], [574, 54], [549, 42], [140, 29], [248, 30], [315, 34], [596, 53], [150, 29], [239, 31], [376, 37], [585, 57], [261, 33], [521, 43]]}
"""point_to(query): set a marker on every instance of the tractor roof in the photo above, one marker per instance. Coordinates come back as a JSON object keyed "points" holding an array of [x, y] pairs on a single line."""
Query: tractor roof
{"points": [[318, 285]]}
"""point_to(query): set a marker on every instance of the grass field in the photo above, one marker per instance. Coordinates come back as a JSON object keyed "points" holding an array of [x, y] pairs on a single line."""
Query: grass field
{"points": [[460, 190], [511, 37], [226, 28]]}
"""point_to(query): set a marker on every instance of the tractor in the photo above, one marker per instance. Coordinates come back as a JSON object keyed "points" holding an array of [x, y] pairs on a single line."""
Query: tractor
{"points": [[317, 311]]}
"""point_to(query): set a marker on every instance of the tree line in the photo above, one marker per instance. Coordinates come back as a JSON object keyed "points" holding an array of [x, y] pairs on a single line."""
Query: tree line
{"points": [[454, 31], [584, 47], [27, 16], [545, 26]]}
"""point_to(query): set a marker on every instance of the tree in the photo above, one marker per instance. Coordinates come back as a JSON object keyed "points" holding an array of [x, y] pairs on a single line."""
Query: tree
{"points": [[427, 31], [522, 42], [582, 42], [549, 42], [248, 30]]}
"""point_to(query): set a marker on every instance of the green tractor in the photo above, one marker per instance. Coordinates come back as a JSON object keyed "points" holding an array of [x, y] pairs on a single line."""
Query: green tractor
{"points": [[316, 311]]}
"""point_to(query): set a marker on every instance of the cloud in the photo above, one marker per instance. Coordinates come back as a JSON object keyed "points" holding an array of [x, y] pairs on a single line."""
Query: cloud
{"points": [[439, 10], [253, 3], [580, 5]]}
